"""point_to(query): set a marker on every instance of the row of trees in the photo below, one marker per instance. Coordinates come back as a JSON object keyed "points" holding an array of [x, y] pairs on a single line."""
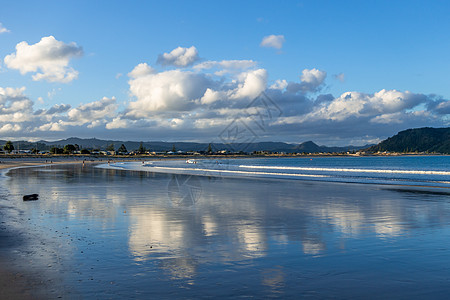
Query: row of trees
{"points": [[8, 147], [70, 149], [123, 149]]}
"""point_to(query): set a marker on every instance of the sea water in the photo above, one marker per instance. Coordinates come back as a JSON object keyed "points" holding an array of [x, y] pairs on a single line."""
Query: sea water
{"points": [[401, 170]]}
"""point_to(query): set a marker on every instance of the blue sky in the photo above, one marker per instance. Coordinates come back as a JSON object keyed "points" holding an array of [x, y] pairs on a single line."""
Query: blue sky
{"points": [[340, 71]]}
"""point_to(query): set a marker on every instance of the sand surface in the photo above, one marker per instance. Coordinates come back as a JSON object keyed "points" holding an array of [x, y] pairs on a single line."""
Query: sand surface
{"points": [[16, 283]]}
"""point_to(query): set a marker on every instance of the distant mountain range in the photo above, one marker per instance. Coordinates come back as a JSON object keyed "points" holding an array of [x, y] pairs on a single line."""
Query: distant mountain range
{"points": [[427, 139], [308, 147]]}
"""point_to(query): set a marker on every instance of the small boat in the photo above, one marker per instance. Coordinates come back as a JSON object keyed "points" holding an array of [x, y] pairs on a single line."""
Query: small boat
{"points": [[191, 161]]}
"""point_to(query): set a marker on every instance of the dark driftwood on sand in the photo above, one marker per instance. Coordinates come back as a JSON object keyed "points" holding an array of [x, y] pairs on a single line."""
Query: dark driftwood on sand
{"points": [[30, 197]]}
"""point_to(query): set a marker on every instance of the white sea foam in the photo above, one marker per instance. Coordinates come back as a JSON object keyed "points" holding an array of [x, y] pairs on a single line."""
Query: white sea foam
{"points": [[236, 172], [384, 171]]}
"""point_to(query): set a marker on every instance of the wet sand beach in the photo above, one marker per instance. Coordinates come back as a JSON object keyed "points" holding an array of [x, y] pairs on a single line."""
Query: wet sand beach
{"points": [[16, 281], [104, 233]]}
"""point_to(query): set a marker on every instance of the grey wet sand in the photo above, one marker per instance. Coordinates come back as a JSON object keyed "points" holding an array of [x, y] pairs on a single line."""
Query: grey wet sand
{"points": [[16, 283]]}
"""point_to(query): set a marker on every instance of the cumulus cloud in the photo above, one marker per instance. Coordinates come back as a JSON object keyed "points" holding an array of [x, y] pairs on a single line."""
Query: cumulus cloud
{"points": [[313, 78], [179, 57], [280, 84], [17, 116], [15, 107], [252, 84], [3, 29], [93, 113], [63, 118], [48, 59], [141, 70], [355, 104], [439, 106], [172, 90], [273, 41], [117, 123], [362, 116], [311, 81], [8, 128], [55, 109], [58, 126]]}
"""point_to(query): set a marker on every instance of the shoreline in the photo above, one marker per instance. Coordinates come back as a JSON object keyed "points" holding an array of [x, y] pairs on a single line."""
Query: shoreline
{"points": [[91, 157]]}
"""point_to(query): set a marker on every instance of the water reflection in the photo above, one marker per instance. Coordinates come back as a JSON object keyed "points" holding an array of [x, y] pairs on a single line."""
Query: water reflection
{"points": [[152, 230], [274, 279], [179, 268], [188, 227], [184, 190]]}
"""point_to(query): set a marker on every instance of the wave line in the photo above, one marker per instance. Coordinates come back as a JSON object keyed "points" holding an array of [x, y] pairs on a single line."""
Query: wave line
{"points": [[348, 170], [240, 172]]}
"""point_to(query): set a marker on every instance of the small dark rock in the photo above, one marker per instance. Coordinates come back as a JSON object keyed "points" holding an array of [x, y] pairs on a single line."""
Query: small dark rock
{"points": [[30, 197]]}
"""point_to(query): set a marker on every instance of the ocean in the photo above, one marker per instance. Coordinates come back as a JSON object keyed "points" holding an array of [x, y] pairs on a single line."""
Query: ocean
{"points": [[320, 227], [396, 170]]}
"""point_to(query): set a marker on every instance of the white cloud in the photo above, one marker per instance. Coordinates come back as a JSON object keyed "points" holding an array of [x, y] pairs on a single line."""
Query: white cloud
{"points": [[16, 110], [279, 85], [253, 83], [3, 29], [58, 109], [313, 78], [394, 118], [8, 128], [117, 123], [354, 104], [17, 116], [311, 81], [170, 90], [179, 57], [212, 96], [273, 41], [443, 107], [141, 70], [93, 112], [52, 126], [14, 105], [48, 59], [54, 110]]}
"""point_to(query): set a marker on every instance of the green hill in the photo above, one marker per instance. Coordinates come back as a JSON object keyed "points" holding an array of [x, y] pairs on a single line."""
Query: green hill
{"points": [[427, 139]]}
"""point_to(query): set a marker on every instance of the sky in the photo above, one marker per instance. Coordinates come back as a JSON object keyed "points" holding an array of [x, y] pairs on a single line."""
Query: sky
{"points": [[334, 72]]}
